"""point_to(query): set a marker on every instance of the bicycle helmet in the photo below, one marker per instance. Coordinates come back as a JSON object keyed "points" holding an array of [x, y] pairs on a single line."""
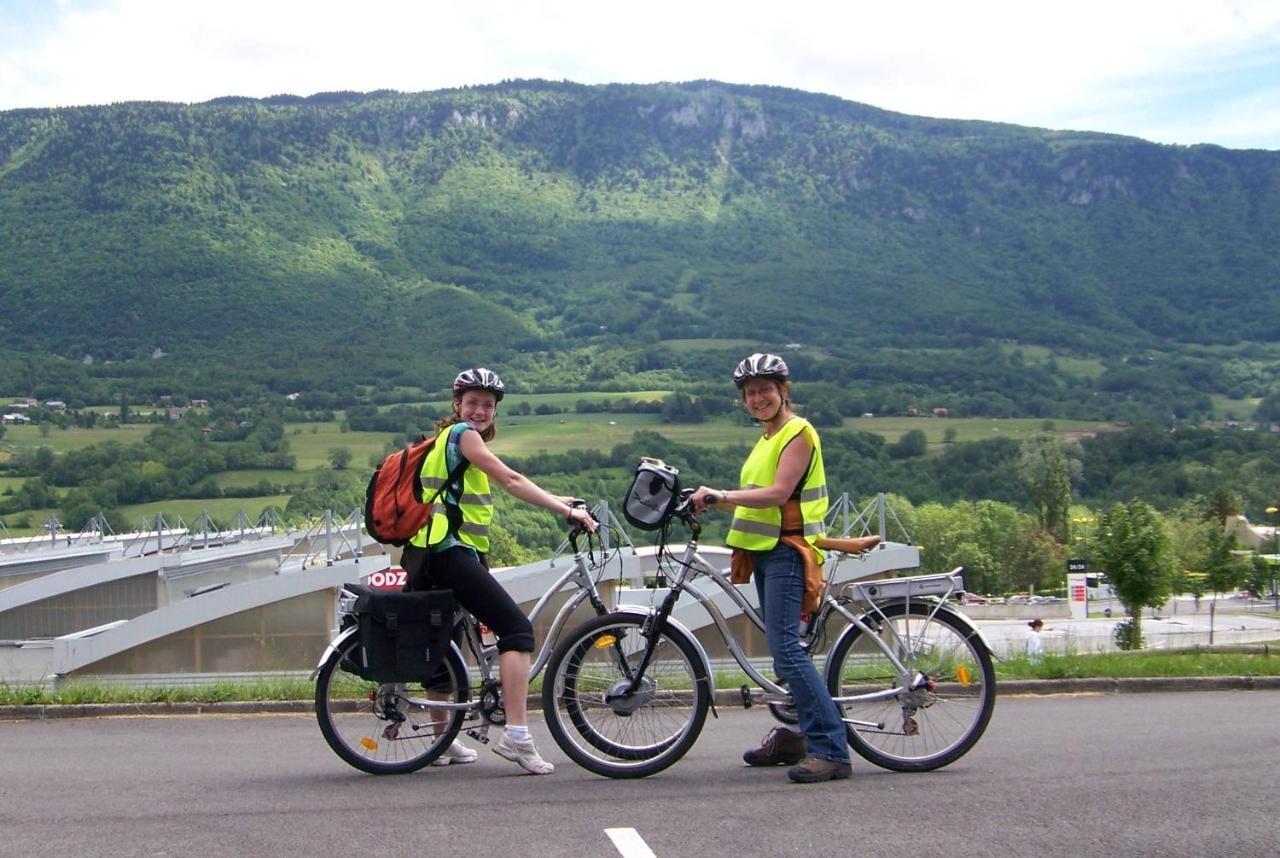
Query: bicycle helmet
{"points": [[761, 365], [479, 378]]}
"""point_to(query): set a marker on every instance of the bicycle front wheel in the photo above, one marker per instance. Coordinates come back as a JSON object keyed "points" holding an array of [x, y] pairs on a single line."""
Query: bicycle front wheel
{"points": [[605, 725], [929, 714], [388, 728]]}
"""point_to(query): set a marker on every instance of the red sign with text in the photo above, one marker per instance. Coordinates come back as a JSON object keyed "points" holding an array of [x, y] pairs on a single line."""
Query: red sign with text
{"points": [[387, 579]]}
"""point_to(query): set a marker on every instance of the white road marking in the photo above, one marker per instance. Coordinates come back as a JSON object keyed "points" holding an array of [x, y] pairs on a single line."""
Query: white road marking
{"points": [[629, 843]]}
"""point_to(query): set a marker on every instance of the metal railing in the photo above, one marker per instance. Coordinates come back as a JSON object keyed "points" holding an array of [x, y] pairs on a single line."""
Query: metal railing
{"points": [[876, 516], [328, 540]]}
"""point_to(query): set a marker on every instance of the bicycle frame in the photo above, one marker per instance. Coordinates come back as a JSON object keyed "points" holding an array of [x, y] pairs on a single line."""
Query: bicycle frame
{"points": [[932, 589], [578, 574]]}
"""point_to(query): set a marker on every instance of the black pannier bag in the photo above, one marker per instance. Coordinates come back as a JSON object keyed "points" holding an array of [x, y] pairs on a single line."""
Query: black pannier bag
{"points": [[652, 495], [403, 636]]}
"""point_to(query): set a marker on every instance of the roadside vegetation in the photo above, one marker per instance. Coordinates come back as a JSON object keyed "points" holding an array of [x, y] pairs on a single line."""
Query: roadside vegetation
{"points": [[1260, 661]]}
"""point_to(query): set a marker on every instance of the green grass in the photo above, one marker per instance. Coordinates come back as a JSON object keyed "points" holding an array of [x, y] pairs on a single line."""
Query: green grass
{"points": [[1234, 409], [62, 440], [1104, 665], [518, 436], [559, 433], [310, 444], [971, 428], [223, 510], [565, 401], [87, 691], [251, 477], [689, 345], [1085, 367], [1170, 663]]}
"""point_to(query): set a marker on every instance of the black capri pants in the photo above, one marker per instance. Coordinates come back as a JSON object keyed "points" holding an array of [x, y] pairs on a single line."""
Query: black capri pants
{"points": [[474, 588]]}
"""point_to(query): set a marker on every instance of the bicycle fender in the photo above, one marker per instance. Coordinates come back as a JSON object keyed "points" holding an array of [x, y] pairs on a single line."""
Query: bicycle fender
{"points": [[634, 611], [332, 648], [977, 630], [974, 630]]}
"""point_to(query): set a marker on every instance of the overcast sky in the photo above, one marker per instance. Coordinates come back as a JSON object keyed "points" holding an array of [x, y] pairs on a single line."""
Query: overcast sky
{"points": [[1171, 71]]}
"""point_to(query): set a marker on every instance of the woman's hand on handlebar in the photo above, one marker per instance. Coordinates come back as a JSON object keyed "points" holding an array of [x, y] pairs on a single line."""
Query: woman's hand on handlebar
{"points": [[579, 515], [704, 497]]}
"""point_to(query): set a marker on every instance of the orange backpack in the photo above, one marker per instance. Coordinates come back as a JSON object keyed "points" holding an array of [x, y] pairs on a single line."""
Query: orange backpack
{"points": [[393, 506]]}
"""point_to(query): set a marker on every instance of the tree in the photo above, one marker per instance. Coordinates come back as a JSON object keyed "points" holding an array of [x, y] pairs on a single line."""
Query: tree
{"points": [[912, 444], [1221, 504], [504, 550], [1045, 471], [1132, 547], [1224, 571], [339, 457]]}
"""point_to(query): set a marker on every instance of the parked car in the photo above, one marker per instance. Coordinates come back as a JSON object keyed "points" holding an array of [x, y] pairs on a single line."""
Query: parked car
{"points": [[967, 598]]}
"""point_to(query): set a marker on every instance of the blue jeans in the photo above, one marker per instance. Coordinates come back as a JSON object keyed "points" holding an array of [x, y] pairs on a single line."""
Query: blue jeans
{"points": [[779, 576]]}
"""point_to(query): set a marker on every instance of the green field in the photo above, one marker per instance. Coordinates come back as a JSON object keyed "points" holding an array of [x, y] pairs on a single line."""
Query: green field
{"points": [[1234, 409], [240, 479], [224, 510], [972, 428], [565, 401], [1085, 367], [310, 444], [62, 440], [518, 436], [688, 345]]}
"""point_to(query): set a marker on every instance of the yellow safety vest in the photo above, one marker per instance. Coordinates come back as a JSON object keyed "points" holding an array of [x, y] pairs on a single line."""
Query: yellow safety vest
{"points": [[759, 529], [475, 503]]}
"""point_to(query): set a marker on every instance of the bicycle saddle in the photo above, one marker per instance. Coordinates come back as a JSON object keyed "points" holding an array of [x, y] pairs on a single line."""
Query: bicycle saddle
{"points": [[853, 545]]}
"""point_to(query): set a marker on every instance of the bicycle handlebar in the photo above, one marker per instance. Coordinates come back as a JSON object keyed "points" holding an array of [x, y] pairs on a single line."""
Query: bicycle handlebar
{"points": [[576, 530]]}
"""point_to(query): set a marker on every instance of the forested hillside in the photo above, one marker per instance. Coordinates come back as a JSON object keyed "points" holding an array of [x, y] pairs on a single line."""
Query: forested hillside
{"points": [[385, 238]]}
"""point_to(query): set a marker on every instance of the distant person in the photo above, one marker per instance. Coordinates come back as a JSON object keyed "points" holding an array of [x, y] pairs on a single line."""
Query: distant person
{"points": [[450, 552], [778, 515], [1035, 641]]}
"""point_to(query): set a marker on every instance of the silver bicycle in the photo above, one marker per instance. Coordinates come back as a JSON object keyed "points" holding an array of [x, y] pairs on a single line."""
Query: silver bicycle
{"points": [[398, 727], [626, 694]]}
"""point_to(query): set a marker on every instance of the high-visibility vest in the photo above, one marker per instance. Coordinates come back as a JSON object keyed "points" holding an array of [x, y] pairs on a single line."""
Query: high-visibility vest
{"points": [[475, 502], [759, 529]]}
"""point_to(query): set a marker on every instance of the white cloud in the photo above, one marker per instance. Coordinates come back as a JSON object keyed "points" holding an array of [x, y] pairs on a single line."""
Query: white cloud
{"points": [[1027, 62]]}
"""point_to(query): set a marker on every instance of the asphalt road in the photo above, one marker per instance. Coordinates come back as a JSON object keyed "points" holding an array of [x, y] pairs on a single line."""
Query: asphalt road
{"points": [[1134, 774]]}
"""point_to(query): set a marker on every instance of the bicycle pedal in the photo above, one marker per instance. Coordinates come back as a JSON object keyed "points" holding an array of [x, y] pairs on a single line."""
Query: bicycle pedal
{"points": [[481, 736], [745, 692]]}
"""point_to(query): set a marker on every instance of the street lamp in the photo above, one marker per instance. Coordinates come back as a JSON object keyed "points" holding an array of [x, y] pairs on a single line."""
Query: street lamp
{"points": [[1275, 554]]}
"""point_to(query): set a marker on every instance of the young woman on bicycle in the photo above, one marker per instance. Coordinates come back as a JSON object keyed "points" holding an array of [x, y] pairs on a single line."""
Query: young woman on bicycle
{"points": [[449, 553], [778, 513]]}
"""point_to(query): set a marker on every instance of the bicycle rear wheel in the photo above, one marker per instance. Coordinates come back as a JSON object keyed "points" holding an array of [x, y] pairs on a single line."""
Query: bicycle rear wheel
{"points": [[388, 728], [612, 733], [932, 714]]}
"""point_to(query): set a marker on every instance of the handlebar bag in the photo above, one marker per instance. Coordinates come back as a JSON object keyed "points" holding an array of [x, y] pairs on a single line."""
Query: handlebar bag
{"points": [[403, 636], [652, 496]]}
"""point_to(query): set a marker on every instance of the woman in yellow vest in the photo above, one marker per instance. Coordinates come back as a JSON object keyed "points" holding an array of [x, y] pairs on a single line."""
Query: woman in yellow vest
{"points": [[778, 514], [449, 553]]}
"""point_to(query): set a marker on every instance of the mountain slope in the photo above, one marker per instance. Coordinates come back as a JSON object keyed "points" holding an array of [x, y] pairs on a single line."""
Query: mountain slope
{"points": [[621, 214]]}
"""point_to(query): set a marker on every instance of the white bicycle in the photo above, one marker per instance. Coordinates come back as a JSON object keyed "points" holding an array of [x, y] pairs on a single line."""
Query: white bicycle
{"points": [[626, 694]]}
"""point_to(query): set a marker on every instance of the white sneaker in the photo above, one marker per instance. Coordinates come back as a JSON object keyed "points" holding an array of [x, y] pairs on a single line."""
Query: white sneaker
{"points": [[522, 753], [456, 753]]}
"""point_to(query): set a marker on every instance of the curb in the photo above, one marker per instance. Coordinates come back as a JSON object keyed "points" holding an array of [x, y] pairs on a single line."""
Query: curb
{"points": [[1137, 684], [727, 697], [117, 710]]}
